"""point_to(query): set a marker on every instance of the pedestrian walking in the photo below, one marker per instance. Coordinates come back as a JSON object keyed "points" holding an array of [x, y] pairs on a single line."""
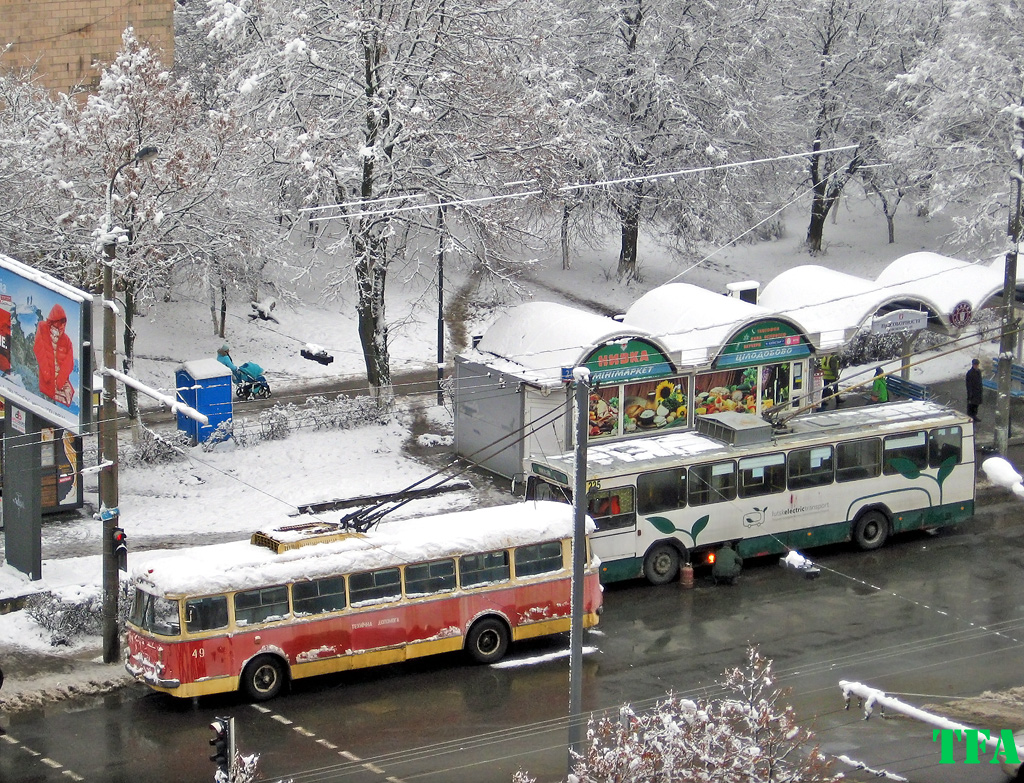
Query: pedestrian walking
{"points": [[830, 369], [975, 390], [879, 389]]}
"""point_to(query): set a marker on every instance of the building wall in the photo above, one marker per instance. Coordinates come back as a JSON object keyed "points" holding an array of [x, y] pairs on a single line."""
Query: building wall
{"points": [[68, 39]]}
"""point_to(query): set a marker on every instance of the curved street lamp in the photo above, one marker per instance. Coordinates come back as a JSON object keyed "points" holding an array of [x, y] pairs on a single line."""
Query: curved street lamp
{"points": [[109, 514]]}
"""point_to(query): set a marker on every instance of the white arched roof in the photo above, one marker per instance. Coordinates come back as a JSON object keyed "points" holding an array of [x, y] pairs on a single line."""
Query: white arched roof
{"points": [[543, 337], [692, 322], [832, 305], [691, 325]]}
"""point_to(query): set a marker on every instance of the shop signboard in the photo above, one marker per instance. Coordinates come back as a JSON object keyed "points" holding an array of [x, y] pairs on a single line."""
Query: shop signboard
{"points": [[629, 360], [45, 335], [899, 322], [763, 342]]}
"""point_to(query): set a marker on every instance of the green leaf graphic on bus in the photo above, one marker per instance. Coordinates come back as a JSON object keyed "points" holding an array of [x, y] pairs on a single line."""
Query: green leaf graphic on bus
{"points": [[906, 468], [666, 527], [946, 468]]}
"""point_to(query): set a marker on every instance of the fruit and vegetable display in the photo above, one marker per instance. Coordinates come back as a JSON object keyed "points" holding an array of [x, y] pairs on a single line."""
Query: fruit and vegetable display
{"points": [[662, 406]]}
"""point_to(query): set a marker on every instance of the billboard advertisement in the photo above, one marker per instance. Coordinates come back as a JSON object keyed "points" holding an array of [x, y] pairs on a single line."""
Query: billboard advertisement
{"points": [[45, 345]]}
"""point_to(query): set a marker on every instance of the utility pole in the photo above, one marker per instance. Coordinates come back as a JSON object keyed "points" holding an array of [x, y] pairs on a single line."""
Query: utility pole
{"points": [[109, 513], [1008, 334], [440, 304], [581, 377]]}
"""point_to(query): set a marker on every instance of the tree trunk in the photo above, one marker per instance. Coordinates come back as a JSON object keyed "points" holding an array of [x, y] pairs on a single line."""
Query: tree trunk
{"points": [[371, 274], [213, 304], [131, 395], [223, 307], [629, 220], [566, 262]]}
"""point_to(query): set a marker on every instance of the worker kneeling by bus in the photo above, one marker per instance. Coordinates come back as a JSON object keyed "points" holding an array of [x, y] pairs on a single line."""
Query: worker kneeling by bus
{"points": [[727, 565]]}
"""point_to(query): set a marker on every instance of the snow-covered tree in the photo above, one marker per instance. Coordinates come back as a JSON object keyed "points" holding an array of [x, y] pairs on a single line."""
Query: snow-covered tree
{"points": [[844, 54], [671, 86], [749, 735], [190, 211], [378, 107], [965, 92]]}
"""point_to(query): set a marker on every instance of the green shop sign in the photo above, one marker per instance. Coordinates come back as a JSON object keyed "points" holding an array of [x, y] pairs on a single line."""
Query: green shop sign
{"points": [[629, 361], [763, 343]]}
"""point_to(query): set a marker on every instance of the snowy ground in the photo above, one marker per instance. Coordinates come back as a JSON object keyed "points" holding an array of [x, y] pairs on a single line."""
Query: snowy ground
{"points": [[229, 493]]}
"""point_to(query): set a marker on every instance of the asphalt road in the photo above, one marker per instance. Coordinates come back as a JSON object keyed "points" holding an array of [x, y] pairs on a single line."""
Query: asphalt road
{"points": [[926, 618]]}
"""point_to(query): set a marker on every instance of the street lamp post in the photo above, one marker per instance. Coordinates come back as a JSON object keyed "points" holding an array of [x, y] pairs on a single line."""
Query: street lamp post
{"points": [[1008, 333], [109, 514]]}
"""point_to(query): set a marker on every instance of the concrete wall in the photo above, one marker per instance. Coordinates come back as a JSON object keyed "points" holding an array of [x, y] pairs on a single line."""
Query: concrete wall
{"points": [[67, 39]]}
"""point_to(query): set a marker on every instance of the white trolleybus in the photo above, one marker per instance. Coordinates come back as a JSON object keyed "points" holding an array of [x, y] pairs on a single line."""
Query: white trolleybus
{"points": [[857, 474]]}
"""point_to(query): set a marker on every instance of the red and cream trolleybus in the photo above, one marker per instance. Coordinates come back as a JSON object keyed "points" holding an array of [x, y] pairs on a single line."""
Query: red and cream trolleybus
{"points": [[312, 598]]}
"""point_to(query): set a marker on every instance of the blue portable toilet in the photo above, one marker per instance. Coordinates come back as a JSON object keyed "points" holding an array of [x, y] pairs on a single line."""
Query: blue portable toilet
{"points": [[206, 385]]}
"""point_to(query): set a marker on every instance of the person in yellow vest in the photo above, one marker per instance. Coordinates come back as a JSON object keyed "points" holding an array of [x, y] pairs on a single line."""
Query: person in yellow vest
{"points": [[830, 369]]}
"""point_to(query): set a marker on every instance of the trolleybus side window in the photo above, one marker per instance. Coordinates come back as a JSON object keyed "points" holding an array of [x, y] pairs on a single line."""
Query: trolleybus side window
{"points": [[944, 443], [714, 482], [810, 467], [612, 508], [206, 614], [539, 558], [259, 606], [762, 475], [371, 587], [476, 570], [429, 578], [858, 459], [661, 490], [155, 614], [318, 596], [912, 447], [542, 490]]}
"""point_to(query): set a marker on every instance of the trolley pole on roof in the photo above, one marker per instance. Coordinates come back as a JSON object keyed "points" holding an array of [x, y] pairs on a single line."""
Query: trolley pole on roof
{"points": [[581, 377]]}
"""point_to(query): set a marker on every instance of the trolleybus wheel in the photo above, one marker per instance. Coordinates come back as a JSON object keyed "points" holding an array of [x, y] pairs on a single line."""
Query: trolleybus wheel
{"points": [[661, 565], [263, 678], [871, 530], [487, 641]]}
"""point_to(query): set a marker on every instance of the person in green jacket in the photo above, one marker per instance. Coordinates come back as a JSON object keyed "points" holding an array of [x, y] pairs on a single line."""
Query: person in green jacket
{"points": [[727, 565], [879, 390]]}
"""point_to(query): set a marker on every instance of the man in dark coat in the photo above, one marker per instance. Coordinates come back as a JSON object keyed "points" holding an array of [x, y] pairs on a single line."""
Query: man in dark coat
{"points": [[975, 391]]}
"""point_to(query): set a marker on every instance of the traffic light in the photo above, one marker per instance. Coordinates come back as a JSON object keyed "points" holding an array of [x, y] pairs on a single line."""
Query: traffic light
{"points": [[223, 744], [120, 548]]}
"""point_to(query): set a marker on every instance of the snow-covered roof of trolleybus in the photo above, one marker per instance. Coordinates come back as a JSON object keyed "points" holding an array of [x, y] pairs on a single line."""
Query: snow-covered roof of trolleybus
{"points": [[654, 451], [240, 565]]}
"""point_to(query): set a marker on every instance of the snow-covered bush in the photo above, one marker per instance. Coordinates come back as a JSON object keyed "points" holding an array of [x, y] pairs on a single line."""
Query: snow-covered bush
{"points": [[319, 413], [152, 448], [68, 619], [748, 735], [275, 424], [221, 433]]}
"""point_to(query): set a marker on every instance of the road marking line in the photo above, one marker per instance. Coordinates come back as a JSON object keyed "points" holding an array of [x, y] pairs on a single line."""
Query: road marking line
{"points": [[373, 768], [27, 749], [328, 745], [303, 732], [349, 756], [51, 763], [9, 739], [260, 708], [393, 779], [73, 775], [281, 719]]}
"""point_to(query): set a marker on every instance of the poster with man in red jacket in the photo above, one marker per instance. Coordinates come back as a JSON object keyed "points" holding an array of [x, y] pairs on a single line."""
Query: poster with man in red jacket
{"points": [[55, 354]]}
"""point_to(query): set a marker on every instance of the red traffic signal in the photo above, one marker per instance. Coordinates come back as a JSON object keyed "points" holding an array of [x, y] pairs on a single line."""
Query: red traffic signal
{"points": [[120, 545]]}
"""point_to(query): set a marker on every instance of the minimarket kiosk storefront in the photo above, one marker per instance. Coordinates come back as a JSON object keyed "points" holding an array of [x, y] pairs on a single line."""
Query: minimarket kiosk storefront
{"points": [[511, 402]]}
